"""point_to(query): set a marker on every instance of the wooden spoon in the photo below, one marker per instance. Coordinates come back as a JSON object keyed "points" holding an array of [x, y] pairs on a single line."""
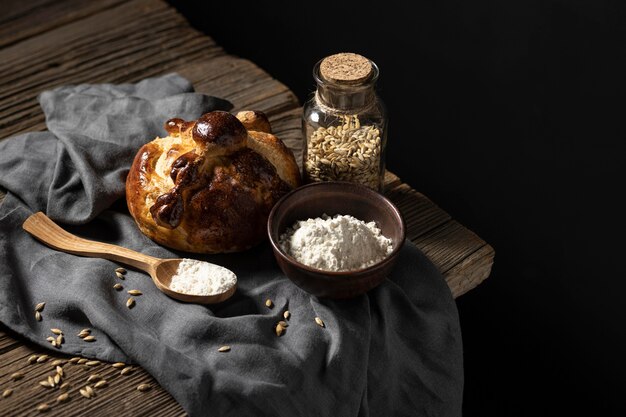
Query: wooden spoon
{"points": [[161, 270]]}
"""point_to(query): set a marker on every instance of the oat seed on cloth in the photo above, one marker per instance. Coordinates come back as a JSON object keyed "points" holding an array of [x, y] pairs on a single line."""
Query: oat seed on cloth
{"points": [[395, 351]]}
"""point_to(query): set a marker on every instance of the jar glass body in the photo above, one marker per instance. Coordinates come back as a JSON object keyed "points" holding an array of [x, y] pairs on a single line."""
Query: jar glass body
{"points": [[345, 133]]}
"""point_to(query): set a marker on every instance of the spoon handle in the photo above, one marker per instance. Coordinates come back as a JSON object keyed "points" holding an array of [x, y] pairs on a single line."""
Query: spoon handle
{"points": [[40, 226]]}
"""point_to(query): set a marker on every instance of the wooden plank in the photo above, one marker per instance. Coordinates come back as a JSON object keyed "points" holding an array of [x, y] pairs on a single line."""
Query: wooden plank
{"points": [[19, 9], [471, 271], [6, 343], [24, 19], [446, 244], [119, 398]]}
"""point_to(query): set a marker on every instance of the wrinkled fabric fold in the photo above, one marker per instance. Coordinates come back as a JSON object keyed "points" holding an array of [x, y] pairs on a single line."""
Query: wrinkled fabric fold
{"points": [[78, 167], [396, 350]]}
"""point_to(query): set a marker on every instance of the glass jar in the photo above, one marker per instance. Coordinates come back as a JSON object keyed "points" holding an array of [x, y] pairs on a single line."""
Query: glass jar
{"points": [[345, 123]]}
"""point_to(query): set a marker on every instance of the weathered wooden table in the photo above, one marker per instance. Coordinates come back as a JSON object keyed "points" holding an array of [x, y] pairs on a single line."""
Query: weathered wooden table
{"points": [[47, 43]]}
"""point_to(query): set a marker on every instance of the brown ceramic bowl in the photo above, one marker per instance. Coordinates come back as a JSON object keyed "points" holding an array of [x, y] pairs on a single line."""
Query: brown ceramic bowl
{"points": [[335, 197]]}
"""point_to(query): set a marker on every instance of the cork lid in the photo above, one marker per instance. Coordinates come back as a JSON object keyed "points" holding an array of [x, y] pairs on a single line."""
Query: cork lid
{"points": [[346, 67]]}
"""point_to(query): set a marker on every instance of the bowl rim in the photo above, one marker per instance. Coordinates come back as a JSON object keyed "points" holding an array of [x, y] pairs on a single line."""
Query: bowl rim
{"points": [[332, 274]]}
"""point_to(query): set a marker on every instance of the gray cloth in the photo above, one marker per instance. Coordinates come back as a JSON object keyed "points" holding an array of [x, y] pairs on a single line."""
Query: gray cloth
{"points": [[395, 351]]}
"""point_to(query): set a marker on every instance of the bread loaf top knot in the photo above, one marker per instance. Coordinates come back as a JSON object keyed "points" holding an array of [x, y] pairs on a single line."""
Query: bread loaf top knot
{"points": [[219, 130]]}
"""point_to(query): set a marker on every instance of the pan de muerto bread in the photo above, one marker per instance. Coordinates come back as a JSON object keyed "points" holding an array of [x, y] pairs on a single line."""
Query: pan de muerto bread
{"points": [[208, 186]]}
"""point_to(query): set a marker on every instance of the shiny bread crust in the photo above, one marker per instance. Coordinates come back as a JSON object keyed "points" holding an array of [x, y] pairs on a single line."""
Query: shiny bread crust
{"points": [[209, 185]]}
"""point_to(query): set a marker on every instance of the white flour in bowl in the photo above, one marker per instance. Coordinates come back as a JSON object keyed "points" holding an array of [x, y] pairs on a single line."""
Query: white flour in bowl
{"points": [[202, 278], [338, 243]]}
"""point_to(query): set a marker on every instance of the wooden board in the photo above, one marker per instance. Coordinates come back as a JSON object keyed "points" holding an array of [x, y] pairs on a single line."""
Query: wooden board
{"points": [[44, 44]]}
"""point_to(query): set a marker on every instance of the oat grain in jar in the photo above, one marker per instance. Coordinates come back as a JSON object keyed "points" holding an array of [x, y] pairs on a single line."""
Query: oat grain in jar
{"points": [[345, 124]]}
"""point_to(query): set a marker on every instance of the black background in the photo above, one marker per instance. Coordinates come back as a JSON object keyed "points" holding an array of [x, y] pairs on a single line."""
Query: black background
{"points": [[510, 115]]}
